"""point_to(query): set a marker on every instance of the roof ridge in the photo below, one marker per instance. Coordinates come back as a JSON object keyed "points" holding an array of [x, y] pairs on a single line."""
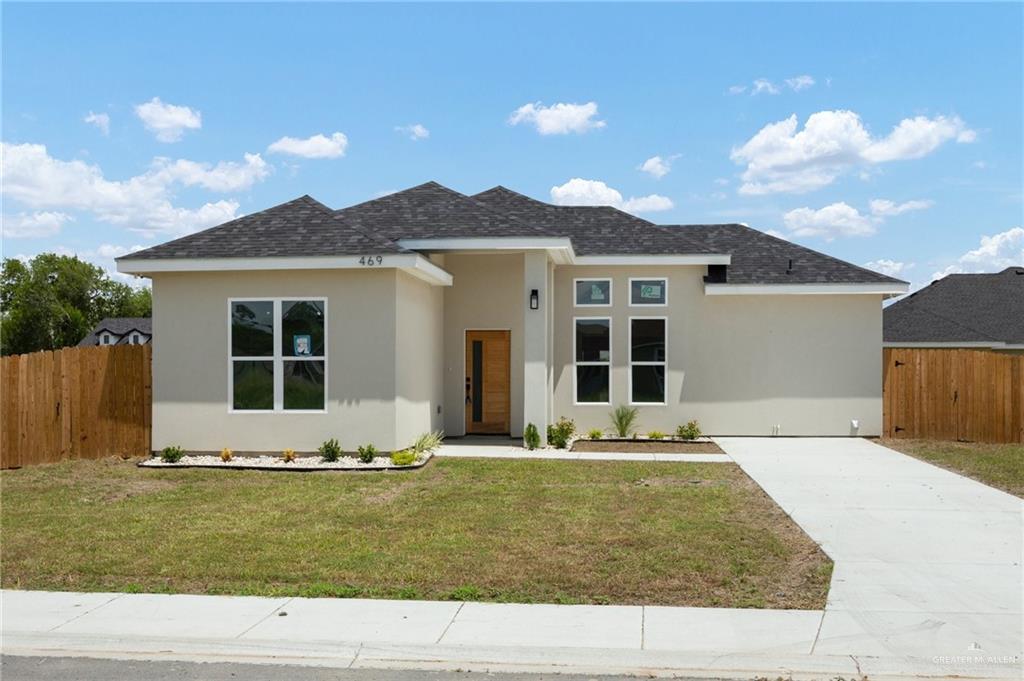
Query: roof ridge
{"points": [[333, 215]]}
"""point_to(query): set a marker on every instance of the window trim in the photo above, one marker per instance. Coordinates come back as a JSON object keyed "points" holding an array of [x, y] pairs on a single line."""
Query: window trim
{"points": [[630, 363], [576, 363], [629, 292], [277, 358], [575, 300]]}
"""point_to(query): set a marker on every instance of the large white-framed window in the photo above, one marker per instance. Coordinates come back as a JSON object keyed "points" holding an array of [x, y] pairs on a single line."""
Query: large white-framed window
{"points": [[277, 354], [592, 360], [648, 359], [592, 292], [648, 291]]}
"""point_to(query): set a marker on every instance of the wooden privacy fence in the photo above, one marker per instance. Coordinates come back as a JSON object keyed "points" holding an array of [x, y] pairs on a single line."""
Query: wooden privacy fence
{"points": [[953, 394], [75, 403]]}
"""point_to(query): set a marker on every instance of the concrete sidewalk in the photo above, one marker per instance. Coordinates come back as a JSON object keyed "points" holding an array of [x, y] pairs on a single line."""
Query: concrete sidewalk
{"points": [[661, 641]]}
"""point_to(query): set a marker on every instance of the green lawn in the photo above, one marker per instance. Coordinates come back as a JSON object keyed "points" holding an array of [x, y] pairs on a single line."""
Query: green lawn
{"points": [[521, 531], [1000, 466]]}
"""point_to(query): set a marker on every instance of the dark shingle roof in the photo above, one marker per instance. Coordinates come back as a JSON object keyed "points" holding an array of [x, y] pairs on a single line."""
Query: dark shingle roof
{"points": [[303, 227], [431, 210], [118, 326], [759, 258], [594, 230], [961, 308]]}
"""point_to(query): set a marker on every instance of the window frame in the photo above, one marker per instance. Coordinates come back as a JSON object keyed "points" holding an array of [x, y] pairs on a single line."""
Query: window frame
{"points": [[575, 300], [577, 363], [629, 291], [278, 358], [630, 363]]}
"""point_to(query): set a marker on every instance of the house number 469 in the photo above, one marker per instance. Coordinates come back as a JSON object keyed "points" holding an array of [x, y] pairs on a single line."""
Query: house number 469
{"points": [[371, 260]]}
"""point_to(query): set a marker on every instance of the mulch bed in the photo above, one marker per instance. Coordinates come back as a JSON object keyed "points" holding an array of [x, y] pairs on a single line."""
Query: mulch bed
{"points": [[647, 447]]}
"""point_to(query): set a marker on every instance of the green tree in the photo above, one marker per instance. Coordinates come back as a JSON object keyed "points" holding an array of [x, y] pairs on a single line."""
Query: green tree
{"points": [[53, 301]]}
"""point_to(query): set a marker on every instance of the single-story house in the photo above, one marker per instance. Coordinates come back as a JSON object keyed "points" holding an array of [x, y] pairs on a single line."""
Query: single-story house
{"points": [[119, 331], [961, 311], [430, 309]]}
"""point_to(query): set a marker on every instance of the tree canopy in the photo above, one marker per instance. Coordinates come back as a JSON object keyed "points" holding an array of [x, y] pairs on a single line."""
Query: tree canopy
{"points": [[54, 301]]}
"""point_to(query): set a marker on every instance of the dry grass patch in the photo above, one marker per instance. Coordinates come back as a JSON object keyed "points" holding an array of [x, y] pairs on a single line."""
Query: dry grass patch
{"points": [[998, 465], [474, 529]]}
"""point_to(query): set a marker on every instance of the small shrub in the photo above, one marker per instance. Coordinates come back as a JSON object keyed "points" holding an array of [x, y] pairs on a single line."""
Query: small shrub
{"points": [[655, 435], [406, 457], [330, 450], [595, 433], [559, 433], [428, 442], [623, 420], [464, 593], [226, 455], [531, 437], [691, 431], [366, 453], [172, 454], [288, 455]]}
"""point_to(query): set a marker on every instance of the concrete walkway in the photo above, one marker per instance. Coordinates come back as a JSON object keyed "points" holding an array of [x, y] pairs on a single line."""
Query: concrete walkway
{"points": [[927, 563]]}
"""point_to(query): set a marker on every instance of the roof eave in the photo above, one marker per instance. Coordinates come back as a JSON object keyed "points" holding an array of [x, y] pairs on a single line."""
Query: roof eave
{"points": [[885, 289]]}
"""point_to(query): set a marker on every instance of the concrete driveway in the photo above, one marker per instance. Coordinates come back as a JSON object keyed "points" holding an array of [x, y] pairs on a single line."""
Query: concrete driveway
{"points": [[927, 562]]}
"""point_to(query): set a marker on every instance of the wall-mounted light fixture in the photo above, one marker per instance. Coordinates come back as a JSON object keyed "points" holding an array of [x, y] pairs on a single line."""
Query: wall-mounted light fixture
{"points": [[534, 299]]}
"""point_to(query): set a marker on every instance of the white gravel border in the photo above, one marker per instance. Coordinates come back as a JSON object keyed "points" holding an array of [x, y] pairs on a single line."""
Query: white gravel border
{"points": [[276, 463]]}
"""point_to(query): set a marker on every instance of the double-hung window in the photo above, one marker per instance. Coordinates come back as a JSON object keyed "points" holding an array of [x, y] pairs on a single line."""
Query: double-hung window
{"points": [[592, 355], [647, 359], [278, 354]]}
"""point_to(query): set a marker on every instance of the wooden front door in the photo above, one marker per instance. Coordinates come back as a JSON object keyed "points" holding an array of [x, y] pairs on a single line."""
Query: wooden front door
{"points": [[487, 382]]}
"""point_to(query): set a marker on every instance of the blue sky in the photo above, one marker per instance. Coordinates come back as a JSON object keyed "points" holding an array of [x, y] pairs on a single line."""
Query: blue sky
{"points": [[889, 134]]}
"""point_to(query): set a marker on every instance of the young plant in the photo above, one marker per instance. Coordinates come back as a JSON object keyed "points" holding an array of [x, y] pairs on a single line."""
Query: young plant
{"points": [[288, 456], [366, 453], [561, 432], [655, 435], [406, 457], [330, 450], [531, 437], [691, 431], [428, 442], [595, 433], [172, 454], [623, 420], [226, 455]]}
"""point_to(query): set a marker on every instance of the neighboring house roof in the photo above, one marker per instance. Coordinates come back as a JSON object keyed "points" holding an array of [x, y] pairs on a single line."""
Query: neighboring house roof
{"points": [[118, 326], [961, 308], [305, 227]]}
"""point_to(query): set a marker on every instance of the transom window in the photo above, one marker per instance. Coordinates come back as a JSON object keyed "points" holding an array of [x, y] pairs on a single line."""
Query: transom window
{"points": [[593, 292], [592, 355], [278, 354], [647, 359], [649, 292]]}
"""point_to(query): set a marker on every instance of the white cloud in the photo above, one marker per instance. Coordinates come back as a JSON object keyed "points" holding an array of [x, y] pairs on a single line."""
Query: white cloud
{"points": [[890, 268], [580, 192], [779, 158], [37, 224], [886, 208], [763, 85], [657, 167], [141, 203], [226, 176], [737, 89], [798, 83], [996, 253], [558, 119], [777, 234], [317, 146], [415, 132], [168, 121], [835, 220], [100, 120], [721, 181]]}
